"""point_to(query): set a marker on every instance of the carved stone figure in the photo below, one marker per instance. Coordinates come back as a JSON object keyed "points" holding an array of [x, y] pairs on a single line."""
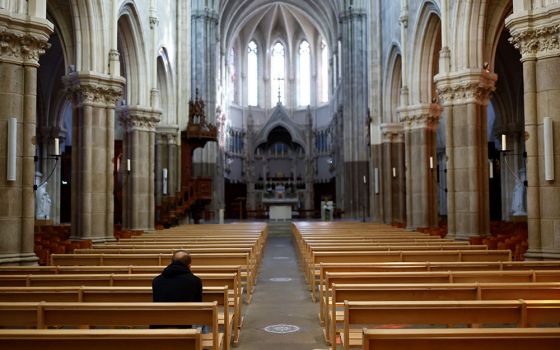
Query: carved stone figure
{"points": [[42, 203]]}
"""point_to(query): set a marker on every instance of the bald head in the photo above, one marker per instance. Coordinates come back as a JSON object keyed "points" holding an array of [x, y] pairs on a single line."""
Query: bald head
{"points": [[183, 257]]}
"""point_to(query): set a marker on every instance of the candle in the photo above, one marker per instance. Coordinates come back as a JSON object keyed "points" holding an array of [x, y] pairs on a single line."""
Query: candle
{"points": [[504, 142], [164, 182], [56, 146], [431, 162], [364, 179], [491, 169], [394, 172], [128, 165]]}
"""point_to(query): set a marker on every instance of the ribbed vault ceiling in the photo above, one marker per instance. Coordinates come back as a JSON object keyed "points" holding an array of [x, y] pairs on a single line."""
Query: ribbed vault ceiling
{"points": [[266, 20]]}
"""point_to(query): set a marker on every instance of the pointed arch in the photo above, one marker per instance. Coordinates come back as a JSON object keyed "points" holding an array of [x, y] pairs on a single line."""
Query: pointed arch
{"points": [[133, 54], [165, 86], [393, 84], [425, 54]]}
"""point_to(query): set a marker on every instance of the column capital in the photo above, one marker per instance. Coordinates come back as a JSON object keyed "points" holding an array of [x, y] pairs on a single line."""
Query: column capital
{"points": [[139, 118], [392, 132], [424, 116], [535, 33], [468, 86], [23, 39], [167, 134], [91, 89]]}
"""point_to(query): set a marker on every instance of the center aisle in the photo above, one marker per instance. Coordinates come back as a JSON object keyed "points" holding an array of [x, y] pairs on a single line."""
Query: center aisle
{"points": [[281, 302]]}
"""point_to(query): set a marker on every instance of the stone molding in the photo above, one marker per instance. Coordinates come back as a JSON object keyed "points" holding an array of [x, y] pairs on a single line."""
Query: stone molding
{"points": [[392, 132], [23, 39], [536, 34], [87, 89], [139, 118], [167, 135], [420, 117], [473, 86]]}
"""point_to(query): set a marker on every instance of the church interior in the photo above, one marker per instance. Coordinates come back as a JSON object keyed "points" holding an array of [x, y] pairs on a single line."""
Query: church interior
{"points": [[375, 174]]}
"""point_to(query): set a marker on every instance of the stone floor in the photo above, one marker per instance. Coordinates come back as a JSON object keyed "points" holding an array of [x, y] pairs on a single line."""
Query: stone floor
{"points": [[285, 301]]}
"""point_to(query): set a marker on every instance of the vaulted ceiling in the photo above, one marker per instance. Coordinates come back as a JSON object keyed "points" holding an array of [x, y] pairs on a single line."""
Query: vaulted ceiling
{"points": [[268, 21]]}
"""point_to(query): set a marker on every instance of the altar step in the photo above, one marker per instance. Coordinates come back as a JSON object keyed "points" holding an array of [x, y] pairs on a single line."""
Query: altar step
{"points": [[279, 228]]}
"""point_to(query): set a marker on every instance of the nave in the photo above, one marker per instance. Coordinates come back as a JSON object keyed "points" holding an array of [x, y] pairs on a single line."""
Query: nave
{"points": [[316, 287]]}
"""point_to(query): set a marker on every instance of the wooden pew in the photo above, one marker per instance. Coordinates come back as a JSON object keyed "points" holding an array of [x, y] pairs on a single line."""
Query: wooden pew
{"points": [[430, 266], [431, 291], [525, 276], [522, 313], [44, 315], [229, 280], [95, 339], [462, 339], [199, 259], [403, 256]]}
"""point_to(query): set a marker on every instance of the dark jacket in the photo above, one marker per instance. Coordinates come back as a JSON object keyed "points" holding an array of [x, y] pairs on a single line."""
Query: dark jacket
{"points": [[177, 284]]}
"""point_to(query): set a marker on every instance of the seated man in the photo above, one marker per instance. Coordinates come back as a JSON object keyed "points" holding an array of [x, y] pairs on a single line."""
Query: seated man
{"points": [[177, 283]]}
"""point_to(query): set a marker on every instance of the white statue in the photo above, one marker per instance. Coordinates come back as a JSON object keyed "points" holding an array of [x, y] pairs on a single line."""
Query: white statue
{"points": [[518, 200], [42, 203]]}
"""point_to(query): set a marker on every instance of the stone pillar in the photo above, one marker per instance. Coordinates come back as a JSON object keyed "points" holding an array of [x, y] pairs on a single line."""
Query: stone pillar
{"points": [[93, 146], [22, 40], [420, 127], [139, 147], [464, 97], [167, 157], [535, 33], [204, 74], [392, 174], [354, 87]]}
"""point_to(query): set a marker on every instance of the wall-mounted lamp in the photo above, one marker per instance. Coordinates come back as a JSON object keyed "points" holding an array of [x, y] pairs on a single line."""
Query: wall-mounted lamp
{"points": [[164, 182], [12, 150], [431, 162], [55, 155], [376, 180], [128, 165], [548, 149], [504, 146], [394, 172]]}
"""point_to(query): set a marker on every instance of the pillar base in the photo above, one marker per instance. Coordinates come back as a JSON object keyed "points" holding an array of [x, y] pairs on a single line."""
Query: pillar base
{"points": [[94, 239], [542, 255], [19, 259]]}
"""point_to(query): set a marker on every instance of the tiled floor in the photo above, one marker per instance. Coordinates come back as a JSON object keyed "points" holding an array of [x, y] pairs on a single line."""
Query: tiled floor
{"points": [[283, 301]]}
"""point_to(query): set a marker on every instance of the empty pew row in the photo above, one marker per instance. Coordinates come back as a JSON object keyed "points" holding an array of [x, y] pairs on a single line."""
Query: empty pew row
{"points": [[342, 278], [46, 314], [312, 269], [428, 266], [462, 339], [95, 339], [429, 292], [442, 314]]}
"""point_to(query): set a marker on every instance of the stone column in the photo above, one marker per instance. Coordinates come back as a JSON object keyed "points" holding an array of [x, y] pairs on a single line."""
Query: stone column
{"points": [[93, 146], [420, 127], [535, 32], [392, 174], [355, 121], [204, 74], [464, 97], [139, 147], [22, 40], [167, 157]]}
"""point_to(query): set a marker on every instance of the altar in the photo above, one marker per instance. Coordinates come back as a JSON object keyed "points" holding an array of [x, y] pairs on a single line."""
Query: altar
{"points": [[280, 209]]}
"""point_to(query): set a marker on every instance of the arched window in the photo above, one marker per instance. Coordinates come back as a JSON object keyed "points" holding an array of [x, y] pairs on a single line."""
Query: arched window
{"points": [[277, 74], [252, 74], [232, 76], [304, 73], [324, 80]]}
